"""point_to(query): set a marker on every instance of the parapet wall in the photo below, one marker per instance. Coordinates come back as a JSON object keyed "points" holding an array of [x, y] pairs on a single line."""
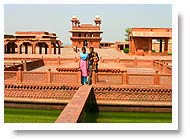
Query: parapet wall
{"points": [[108, 98]]}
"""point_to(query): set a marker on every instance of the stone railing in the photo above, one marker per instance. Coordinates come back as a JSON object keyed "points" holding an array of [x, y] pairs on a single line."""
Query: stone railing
{"points": [[103, 77], [163, 66], [130, 62], [10, 76], [59, 61], [123, 78], [43, 77]]}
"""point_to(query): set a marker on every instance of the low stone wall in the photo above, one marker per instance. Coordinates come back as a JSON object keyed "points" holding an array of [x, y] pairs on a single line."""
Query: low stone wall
{"points": [[10, 76], [59, 61], [66, 78], [146, 63], [33, 64], [13, 67], [163, 66], [26, 64], [38, 96], [73, 76], [107, 98], [107, 77]]}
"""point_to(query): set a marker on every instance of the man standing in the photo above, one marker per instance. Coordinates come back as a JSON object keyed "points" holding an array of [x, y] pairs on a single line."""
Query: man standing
{"points": [[91, 63]]}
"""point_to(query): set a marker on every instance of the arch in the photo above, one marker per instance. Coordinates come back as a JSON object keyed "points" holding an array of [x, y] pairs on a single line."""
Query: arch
{"points": [[42, 48], [27, 47], [10, 47]]}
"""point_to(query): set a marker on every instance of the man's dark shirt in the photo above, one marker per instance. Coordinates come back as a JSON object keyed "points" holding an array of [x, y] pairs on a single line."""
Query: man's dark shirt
{"points": [[90, 58]]}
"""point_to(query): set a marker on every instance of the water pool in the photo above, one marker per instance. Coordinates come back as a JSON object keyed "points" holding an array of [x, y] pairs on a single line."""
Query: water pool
{"points": [[22, 115]]}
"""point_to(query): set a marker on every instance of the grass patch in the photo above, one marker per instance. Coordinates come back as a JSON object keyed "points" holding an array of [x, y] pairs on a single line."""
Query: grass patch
{"points": [[21, 115]]}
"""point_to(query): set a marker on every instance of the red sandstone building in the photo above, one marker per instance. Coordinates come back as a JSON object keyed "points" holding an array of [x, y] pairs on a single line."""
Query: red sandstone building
{"points": [[86, 34], [32, 43], [140, 39]]}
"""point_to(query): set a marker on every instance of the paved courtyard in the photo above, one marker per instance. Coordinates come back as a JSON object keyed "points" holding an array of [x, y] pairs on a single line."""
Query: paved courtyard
{"points": [[105, 53]]}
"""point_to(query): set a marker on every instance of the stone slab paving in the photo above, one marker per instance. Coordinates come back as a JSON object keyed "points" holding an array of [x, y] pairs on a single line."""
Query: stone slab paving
{"points": [[53, 68], [104, 53]]}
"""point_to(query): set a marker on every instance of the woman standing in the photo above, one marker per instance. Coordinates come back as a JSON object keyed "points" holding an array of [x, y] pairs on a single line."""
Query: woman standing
{"points": [[83, 65]]}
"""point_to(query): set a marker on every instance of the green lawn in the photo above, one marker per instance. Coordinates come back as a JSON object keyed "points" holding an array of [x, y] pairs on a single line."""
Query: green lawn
{"points": [[127, 117], [20, 115]]}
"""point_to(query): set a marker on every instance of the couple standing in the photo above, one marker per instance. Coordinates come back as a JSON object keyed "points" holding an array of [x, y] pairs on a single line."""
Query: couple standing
{"points": [[88, 64]]}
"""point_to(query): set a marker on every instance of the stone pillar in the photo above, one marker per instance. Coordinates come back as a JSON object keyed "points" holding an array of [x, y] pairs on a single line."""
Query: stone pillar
{"points": [[133, 46], [49, 76], [18, 47], [156, 78], [79, 76], [25, 66], [19, 75], [40, 49], [125, 78], [93, 77], [54, 46], [13, 49], [135, 61], [59, 60], [49, 48], [149, 46], [161, 45], [118, 60], [26, 49], [75, 59], [166, 45], [46, 47], [33, 48]]}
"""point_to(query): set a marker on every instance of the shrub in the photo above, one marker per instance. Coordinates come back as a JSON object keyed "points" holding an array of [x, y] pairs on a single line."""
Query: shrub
{"points": [[126, 50], [153, 51]]}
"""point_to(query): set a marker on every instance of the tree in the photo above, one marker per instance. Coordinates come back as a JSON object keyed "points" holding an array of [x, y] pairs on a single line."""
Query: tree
{"points": [[127, 30]]}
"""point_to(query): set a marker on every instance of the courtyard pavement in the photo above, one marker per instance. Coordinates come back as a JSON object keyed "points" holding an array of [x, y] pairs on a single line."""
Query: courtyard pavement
{"points": [[105, 53]]}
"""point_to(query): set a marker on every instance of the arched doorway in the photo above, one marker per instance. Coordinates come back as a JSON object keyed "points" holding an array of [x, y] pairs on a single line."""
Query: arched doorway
{"points": [[10, 48], [26, 48], [42, 48]]}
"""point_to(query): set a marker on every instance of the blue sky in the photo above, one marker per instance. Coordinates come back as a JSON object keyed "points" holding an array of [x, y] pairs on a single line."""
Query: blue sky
{"points": [[56, 18]]}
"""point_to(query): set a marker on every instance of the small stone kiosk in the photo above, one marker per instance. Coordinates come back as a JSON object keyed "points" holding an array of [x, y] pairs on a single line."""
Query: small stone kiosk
{"points": [[140, 40]]}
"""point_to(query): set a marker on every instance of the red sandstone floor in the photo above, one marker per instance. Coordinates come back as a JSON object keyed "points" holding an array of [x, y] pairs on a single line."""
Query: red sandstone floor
{"points": [[104, 53]]}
